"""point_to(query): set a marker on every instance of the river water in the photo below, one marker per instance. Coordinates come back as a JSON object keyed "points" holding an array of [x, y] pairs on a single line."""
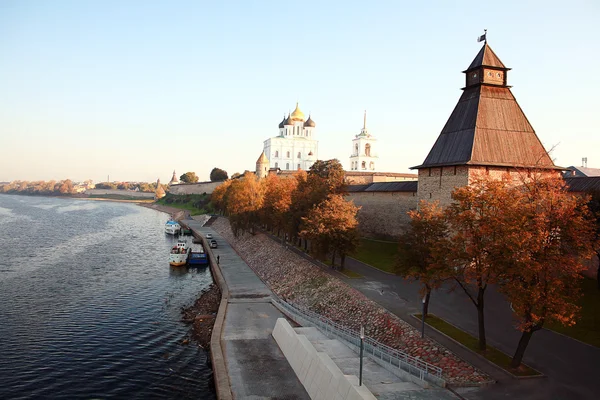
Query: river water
{"points": [[89, 307]]}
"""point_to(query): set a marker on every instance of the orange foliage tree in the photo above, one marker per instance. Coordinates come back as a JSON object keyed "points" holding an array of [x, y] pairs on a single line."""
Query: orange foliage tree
{"points": [[245, 198], [219, 196], [422, 249], [551, 234], [278, 198], [323, 178], [331, 226], [477, 226]]}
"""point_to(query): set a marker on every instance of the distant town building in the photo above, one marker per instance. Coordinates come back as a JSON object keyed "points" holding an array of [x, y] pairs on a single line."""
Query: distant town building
{"points": [[364, 156], [295, 147]]}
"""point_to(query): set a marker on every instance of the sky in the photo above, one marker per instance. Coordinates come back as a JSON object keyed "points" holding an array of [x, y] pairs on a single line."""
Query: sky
{"points": [[132, 90]]}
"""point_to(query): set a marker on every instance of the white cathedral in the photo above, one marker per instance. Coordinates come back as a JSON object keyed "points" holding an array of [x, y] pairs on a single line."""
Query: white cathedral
{"points": [[295, 147]]}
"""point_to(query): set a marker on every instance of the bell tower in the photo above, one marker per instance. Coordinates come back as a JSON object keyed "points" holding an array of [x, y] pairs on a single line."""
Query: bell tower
{"points": [[363, 156]]}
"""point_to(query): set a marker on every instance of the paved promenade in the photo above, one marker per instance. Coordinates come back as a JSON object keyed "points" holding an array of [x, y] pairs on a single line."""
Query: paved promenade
{"points": [[256, 366], [571, 367]]}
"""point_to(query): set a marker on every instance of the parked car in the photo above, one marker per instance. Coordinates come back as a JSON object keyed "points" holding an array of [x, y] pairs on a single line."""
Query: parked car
{"points": [[213, 244], [208, 236]]}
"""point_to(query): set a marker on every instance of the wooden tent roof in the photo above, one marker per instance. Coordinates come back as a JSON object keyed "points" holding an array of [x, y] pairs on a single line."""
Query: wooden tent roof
{"points": [[486, 57], [488, 127]]}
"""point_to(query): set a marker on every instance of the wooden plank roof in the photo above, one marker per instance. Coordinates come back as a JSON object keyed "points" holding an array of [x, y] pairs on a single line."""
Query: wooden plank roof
{"points": [[488, 127], [486, 58]]}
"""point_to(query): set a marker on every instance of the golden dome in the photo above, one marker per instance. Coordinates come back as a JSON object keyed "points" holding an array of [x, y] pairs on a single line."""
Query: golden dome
{"points": [[297, 115]]}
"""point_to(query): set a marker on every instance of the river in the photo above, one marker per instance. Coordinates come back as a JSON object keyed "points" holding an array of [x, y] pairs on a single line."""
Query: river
{"points": [[89, 307]]}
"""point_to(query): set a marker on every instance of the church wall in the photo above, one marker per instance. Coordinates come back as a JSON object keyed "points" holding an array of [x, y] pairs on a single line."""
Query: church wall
{"points": [[383, 214], [194, 188]]}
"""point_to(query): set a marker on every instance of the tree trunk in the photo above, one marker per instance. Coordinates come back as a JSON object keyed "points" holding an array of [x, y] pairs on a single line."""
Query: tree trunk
{"points": [[306, 245], [333, 260], [480, 319], [426, 306], [520, 352]]}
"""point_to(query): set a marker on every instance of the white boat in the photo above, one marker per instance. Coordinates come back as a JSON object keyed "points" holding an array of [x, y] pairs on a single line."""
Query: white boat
{"points": [[172, 227], [179, 254]]}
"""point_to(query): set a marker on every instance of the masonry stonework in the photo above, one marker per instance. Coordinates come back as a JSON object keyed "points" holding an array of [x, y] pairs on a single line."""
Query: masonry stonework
{"points": [[437, 184], [194, 188], [383, 214]]}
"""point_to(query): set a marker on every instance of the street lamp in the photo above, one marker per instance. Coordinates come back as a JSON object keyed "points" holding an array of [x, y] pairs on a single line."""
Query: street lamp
{"points": [[362, 339]]}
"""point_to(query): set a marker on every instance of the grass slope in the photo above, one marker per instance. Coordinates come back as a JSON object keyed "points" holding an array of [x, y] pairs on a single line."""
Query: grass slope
{"points": [[491, 354], [377, 253], [587, 328]]}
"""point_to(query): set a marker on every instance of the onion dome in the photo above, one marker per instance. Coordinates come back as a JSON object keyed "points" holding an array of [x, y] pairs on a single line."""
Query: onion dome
{"points": [[288, 121], [309, 122], [282, 122], [297, 115]]}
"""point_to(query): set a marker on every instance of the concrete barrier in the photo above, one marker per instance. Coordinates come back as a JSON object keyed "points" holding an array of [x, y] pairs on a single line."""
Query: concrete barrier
{"points": [[319, 375]]}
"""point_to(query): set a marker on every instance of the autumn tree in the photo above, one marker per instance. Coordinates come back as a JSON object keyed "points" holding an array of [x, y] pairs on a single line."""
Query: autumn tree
{"points": [[422, 249], [217, 174], [551, 235], [331, 226], [594, 207], [278, 198], [245, 198], [322, 179], [188, 177], [219, 197], [477, 227]]}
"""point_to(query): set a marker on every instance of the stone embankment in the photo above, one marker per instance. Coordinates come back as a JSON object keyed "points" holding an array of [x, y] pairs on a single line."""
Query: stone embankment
{"points": [[297, 280]]}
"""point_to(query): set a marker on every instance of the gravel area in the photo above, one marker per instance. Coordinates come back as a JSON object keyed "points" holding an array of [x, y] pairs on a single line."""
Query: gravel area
{"points": [[297, 280]]}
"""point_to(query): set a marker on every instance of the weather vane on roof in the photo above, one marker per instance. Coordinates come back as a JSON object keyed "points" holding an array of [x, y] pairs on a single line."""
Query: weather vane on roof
{"points": [[483, 38]]}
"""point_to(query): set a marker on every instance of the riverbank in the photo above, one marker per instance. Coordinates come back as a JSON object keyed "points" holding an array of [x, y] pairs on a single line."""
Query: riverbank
{"points": [[202, 315]]}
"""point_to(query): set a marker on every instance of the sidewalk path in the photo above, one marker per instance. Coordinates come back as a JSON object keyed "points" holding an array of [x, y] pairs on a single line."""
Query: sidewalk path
{"points": [[257, 368], [572, 368]]}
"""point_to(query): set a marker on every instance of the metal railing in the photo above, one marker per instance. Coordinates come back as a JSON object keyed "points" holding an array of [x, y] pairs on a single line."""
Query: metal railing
{"points": [[378, 351]]}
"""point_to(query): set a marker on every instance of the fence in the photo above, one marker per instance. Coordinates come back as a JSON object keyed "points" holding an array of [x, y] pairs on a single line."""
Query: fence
{"points": [[394, 360]]}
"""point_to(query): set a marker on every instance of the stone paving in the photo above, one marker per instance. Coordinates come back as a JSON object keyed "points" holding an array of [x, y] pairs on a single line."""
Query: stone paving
{"points": [[298, 280]]}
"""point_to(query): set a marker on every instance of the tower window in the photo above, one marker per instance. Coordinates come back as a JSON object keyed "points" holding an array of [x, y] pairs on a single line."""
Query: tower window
{"points": [[371, 165], [299, 155], [298, 166], [364, 165], [356, 149], [276, 153], [368, 150], [287, 165], [288, 154], [276, 165]]}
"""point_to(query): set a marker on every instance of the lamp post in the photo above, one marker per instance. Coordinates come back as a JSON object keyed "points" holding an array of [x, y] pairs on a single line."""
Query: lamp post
{"points": [[423, 318], [362, 339]]}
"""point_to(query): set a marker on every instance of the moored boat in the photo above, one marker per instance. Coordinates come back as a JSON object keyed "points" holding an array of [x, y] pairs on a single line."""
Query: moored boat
{"points": [[172, 227], [197, 256], [179, 254]]}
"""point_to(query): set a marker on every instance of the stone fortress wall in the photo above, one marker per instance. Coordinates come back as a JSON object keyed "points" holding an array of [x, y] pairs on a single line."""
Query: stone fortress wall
{"points": [[117, 192], [193, 188], [383, 214]]}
